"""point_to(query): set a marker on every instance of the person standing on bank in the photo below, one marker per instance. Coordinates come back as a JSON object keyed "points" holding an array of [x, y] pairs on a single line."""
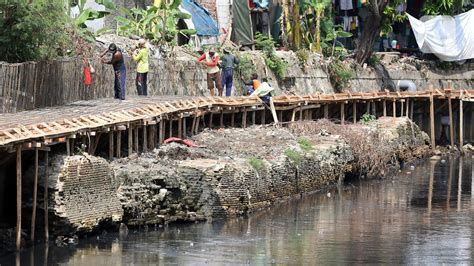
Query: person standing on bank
{"points": [[141, 57], [120, 71], [227, 62], [211, 61]]}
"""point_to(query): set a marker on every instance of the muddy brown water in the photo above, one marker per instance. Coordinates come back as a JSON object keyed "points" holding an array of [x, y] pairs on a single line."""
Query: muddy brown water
{"points": [[422, 216]]}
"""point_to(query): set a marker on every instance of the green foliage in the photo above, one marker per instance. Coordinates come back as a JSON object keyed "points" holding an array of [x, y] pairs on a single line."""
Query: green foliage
{"points": [[373, 61], [303, 56], [305, 144], [294, 156], [256, 163], [157, 24], [443, 7], [246, 67], [89, 14], [367, 118], [275, 63], [340, 74], [33, 31]]}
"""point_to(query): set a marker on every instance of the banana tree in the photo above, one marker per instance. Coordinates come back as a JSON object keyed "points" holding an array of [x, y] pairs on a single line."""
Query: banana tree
{"points": [[88, 14], [318, 7]]}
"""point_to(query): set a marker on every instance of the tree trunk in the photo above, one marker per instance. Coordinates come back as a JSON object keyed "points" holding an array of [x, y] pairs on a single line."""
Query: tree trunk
{"points": [[372, 29], [318, 31]]}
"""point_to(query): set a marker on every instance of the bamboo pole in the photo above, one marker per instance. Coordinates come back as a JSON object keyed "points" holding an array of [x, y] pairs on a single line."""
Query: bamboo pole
{"points": [[162, 132], [354, 112], [408, 108], [68, 147], [18, 197], [293, 114], [170, 128], [460, 184], [367, 106], [35, 195], [402, 105], [374, 109], [221, 119], [197, 125], [273, 110], [45, 196], [412, 106]]}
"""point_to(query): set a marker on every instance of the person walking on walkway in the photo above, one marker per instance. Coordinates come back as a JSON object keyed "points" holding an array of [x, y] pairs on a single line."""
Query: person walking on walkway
{"points": [[141, 57], [228, 62], [211, 61], [120, 71]]}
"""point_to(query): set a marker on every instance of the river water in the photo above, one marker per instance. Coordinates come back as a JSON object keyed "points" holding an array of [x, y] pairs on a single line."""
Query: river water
{"points": [[422, 216]]}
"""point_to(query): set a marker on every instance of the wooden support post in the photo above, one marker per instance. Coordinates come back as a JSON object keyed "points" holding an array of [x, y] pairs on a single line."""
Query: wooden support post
{"points": [[119, 143], [326, 111], [130, 140], [244, 118], [367, 105], [374, 109], [272, 109], [262, 119], [68, 147], [394, 108], [342, 113], [18, 197], [408, 108], [197, 124], [136, 138], [162, 132], [461, 121], [401, 108], [451, 120], [193, 126], [45, 196], [253, 117], [145, 137], [411, 109], [210, 119], [232, 119], [170, 128], [35, 195], [180, 127], [293, 114], [301, 114], [280, 116], [111, 144], [184, 128], [432, 120], [384, 103], [354, 112], [221, 120]]}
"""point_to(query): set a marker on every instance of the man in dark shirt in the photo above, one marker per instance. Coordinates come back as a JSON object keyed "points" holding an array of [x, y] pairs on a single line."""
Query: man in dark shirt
{"points": [[227, 63], [120, 71]]}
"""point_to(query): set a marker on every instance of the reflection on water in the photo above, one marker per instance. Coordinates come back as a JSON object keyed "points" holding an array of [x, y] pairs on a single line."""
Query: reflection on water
{"points": [[423, 216]]}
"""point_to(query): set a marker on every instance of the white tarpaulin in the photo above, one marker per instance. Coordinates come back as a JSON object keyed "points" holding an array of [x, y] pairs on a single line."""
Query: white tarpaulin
{"points": [[449, 38]]}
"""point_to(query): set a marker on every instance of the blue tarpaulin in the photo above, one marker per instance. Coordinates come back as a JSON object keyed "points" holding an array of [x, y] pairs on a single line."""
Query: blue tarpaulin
{"points": [[204, 24]]}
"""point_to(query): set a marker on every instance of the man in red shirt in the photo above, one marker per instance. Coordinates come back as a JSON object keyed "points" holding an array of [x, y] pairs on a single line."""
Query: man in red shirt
{"points": [[211, 60]]}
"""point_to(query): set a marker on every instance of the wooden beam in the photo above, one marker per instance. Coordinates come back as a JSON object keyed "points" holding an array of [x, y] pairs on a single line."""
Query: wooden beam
{"points": [[35, 195], [46, 196], [161, 138], [18, 197]]}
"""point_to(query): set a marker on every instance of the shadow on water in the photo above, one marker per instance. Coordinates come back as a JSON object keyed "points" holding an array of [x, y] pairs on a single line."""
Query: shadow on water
{"points": [[422, 216]]}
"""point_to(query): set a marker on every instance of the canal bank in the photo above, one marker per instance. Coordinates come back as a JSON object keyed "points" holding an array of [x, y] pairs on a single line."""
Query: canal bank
{"points": [[231, 172]]}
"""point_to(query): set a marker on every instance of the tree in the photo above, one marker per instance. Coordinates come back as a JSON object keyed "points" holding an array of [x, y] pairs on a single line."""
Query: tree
{"points": [[443, 7], [318, 7]]}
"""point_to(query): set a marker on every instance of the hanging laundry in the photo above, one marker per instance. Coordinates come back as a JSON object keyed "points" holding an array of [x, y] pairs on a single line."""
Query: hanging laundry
{"points": [[346, 5], [347, 23], [359, 3]]}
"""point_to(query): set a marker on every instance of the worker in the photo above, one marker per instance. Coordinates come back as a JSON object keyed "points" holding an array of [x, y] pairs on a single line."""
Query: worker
{"points": [[120, 72], [227, 62], [140, 56], [265, 91], [211, 61], [252, 84]]}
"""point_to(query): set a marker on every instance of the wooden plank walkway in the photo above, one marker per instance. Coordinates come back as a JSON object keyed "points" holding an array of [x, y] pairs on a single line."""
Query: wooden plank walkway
{"points": [[45, 124]]}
